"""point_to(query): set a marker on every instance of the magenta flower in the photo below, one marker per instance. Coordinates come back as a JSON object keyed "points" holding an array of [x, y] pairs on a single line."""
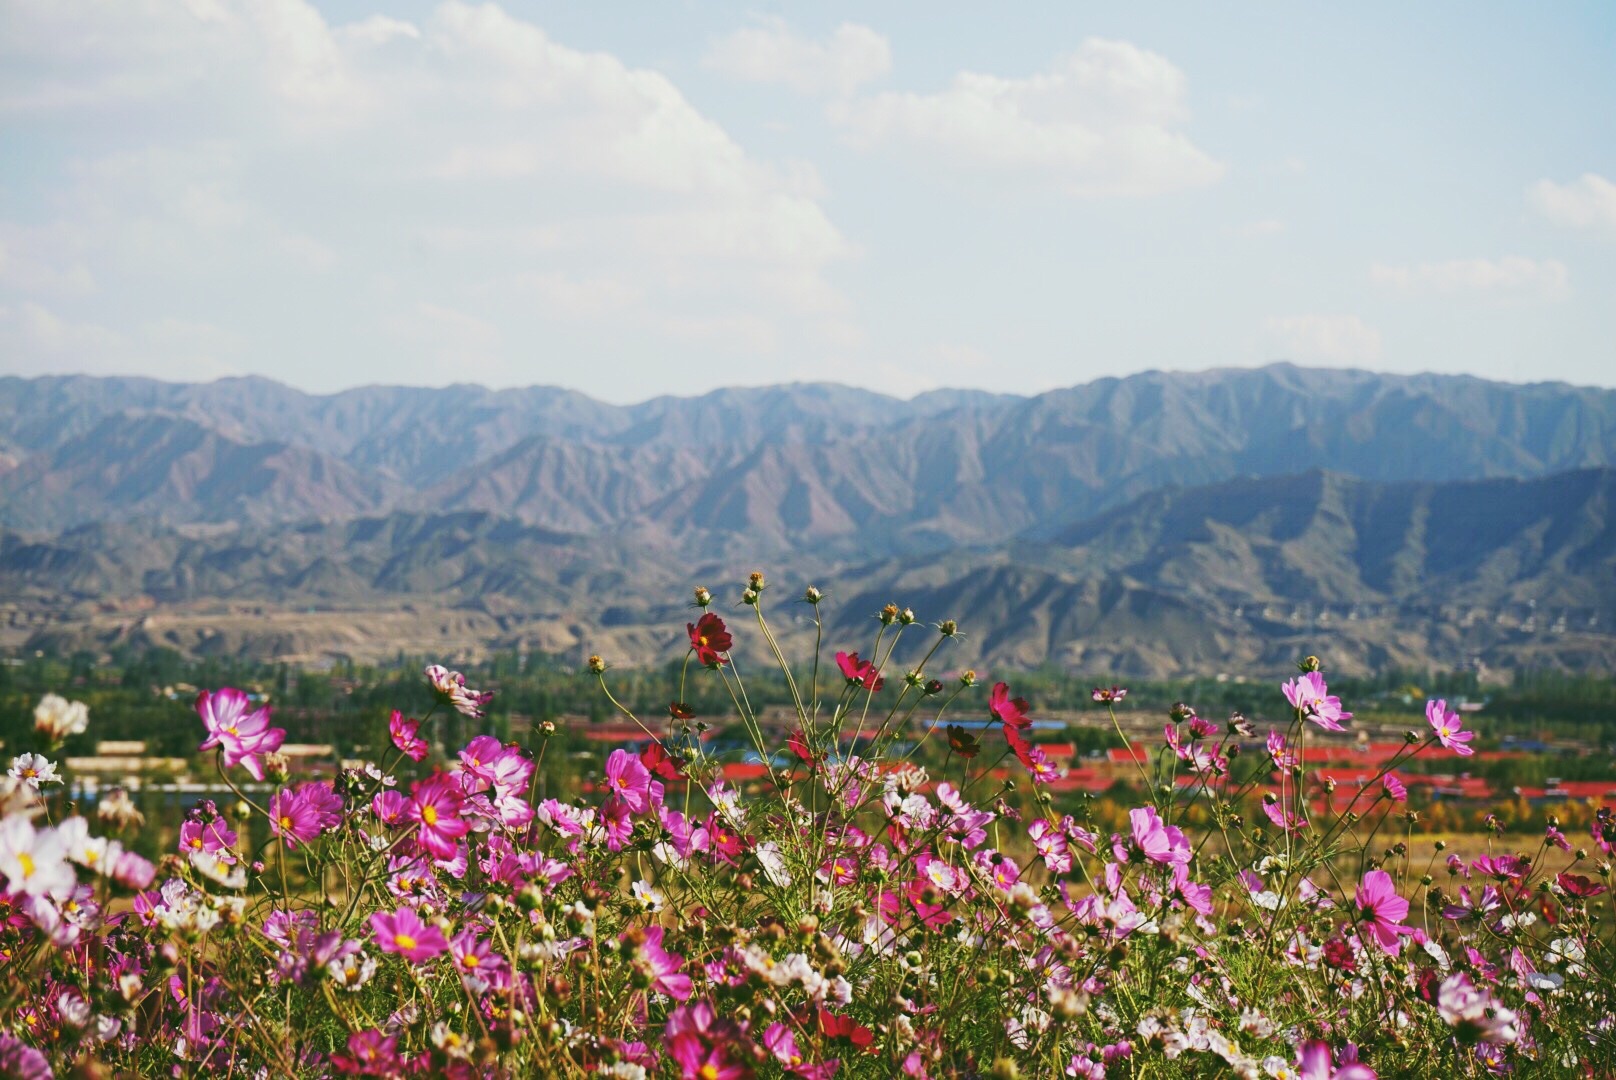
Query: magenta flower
{"points": [[406, 735], [435, 806], [1446, 723], [1395, 790], [450, 686], [370, 1053], [210, 836], [294, 817], [1381, 911], [1313, 1062], [1009, 711], [242, 733], [1284, 757], [629, 780], [1153, 840], [1312, 700], [1283, 819], [474, 957], [404, 933], [662, 967]]}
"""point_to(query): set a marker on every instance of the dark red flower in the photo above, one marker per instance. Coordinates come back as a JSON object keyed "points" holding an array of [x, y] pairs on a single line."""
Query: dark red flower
{"points": [[860, 672], [962, 742], [708, 637], [1577, 885], [678, 710]]}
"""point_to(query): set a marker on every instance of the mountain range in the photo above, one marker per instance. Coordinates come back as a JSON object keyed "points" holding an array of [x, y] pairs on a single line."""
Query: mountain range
{"points": [[1157, 524]]}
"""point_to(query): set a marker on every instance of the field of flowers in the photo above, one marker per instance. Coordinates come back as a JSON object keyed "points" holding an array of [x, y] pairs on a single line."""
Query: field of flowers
{"points": [[883, 903]]}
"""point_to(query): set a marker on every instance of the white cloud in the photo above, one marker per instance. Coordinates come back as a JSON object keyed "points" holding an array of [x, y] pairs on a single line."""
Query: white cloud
{"points": [[1260, 227], [1321, 339], [35, 340], [774, 53], [1512, 274], [464, 162], [1589, 202], [1105, 120]]}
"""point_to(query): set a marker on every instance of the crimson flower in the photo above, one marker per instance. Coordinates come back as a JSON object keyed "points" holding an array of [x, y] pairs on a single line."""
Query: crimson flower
{"points": [[798, 743], [709, 638], [659, 762], [678, 710], [860, 672]]}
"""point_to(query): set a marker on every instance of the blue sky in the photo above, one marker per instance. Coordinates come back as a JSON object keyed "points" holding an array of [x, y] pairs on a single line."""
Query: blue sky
{"points": [[642, 199]]}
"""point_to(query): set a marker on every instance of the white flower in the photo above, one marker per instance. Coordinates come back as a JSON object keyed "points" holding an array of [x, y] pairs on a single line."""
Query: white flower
{"points": [[649, 896], [352, 972], [33, 770], [90, 852], [56, 718], [774, 864], [34, 862]]}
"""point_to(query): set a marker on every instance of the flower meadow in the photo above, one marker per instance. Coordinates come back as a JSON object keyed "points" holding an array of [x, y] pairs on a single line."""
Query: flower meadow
{"points": [[896, 895]]}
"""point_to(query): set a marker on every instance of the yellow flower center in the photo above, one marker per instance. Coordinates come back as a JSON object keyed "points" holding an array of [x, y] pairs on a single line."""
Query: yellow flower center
{"points": [[26, 861], [703, 640], [196, 841], [708, 1072], [470, 960], [286, 823], [404, 941], [429, 814]]}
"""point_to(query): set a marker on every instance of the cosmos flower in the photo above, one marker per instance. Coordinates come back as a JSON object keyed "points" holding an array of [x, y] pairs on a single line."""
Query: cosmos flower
{"points": [[241, 732], [56, 718], [709, 638], [860, 672], [34, 770], [1446, 723], [34, 862], [402, 932], [1380, 911], [1311, 699], [435, 805], [406, 736]]}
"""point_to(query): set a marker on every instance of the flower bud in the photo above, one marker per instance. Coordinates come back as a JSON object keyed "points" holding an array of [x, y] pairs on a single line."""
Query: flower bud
{"points": [[906, 617], [967, 677], [703, 597], [596, 665], [277, 767], [812, 595], [889, 615], [914, 678], [547, 728], [749, 598], [948, 628], [754, 581]]}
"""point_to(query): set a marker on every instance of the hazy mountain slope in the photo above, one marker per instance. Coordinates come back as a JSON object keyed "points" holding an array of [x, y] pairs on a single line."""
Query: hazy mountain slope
{"points": [[172, 469], [1233, 576]]}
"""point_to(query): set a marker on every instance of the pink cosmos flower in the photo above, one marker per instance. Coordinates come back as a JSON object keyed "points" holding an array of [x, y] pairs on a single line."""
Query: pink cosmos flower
{"points": [[1446, 723], [1381, 911], [1153, 840], [404, 933], [1009, 711], [629, 780], [1312, 700], [1284, 757], [1313, 1062], [406, 733], [210, 837], [242, 733], [662, 967], [1283, 819], [435, 805], [474, 957], [370, 1053], [293, 817], [1395, 790]]}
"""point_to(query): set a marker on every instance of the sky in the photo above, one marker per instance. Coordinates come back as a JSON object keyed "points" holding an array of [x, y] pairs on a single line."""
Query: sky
{"points": [[640, 199]]}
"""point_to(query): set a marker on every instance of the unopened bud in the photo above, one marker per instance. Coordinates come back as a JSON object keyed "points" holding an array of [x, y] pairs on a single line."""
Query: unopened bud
{"points": [[596, 665], [754, 580], [948, 628], [547, 728], [749, 598], [889, 615], [1309, 663], [967, 677], [914, 678], [906, 617], [812, 595], [703, 597]]}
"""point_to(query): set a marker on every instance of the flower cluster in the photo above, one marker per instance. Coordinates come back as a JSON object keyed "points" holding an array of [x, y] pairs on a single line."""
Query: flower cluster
{"points": [[892, 889]]}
